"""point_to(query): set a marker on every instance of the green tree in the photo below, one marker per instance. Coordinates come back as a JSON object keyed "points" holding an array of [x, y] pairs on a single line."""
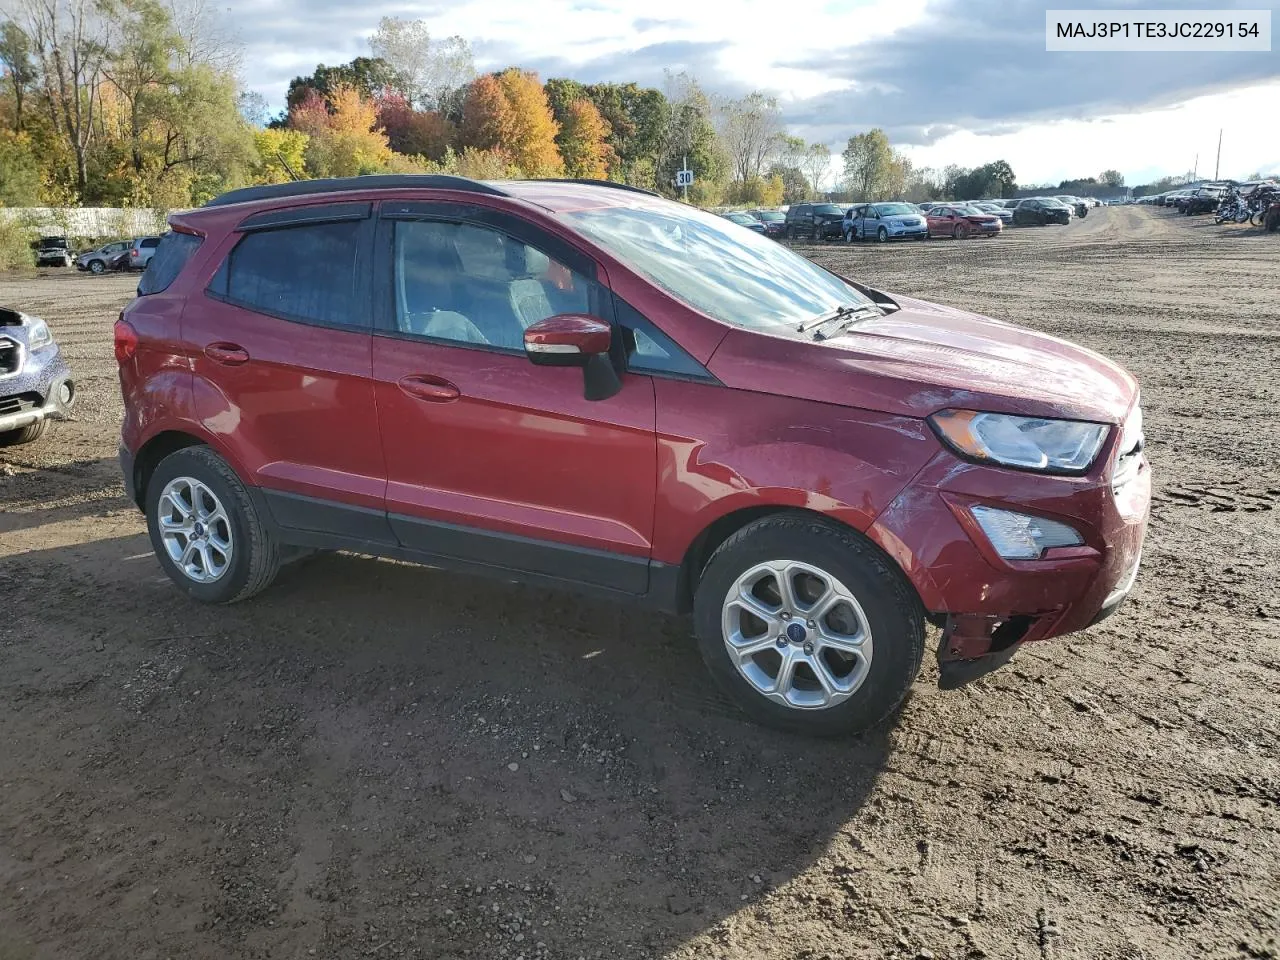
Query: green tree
{"points": [[795, 186], [281, 156], [19, 171], [584, 141], [15, 55], [692, 135], [817, 165], [1112, 178], [867, 164], [368, 76], [749, 129]]}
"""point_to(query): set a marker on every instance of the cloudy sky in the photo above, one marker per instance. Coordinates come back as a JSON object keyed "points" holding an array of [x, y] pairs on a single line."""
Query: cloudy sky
{"points": [[952, 81]]}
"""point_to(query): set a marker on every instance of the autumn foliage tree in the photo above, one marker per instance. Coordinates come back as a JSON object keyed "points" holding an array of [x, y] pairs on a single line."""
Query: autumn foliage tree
{"points": [[487, 122], [350, 142], [415, 133], [583, 140], [533, 129]]}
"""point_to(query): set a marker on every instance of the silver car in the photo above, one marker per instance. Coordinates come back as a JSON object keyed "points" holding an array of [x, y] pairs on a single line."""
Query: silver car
{"points": [[102, 259], [143, 249]]}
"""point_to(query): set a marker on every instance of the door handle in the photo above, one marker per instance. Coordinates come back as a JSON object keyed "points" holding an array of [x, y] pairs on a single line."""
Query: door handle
{"points": [[423, 386], [232, 354]]}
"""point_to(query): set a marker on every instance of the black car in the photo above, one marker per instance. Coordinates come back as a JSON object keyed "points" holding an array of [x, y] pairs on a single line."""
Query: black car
{"points": [[53, 252], [1204, 200], [1035, 212], [814, 221]]}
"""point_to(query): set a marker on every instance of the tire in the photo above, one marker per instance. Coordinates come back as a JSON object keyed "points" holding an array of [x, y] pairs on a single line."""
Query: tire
{"points": [[97, 266], [887, 609], [956, 233], [791, 232], [816, 235], [28, 434], [255, 557], [882, 235]]}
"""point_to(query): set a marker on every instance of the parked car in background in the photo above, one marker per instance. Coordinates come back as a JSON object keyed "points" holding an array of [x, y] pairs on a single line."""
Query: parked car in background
{"points": [[141, 252], [928, 205], [1204, 200], [744, 220], [884, 222], [961, 221], [106, 257], [813, 221], [53, 252], [775, 221], [35, 383], [813, 468], [1077, 206], [1039, 212], [996, 208]]}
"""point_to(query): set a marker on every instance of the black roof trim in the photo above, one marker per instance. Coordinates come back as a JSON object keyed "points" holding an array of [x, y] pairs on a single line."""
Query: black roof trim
{"points": [[597, 183], [388, 181]]}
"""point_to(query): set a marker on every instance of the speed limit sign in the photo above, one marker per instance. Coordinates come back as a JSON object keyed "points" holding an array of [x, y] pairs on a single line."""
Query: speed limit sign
{"points": [[684, 178]]}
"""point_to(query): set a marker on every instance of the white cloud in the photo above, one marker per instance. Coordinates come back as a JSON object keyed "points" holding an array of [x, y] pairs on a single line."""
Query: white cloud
{"points": [[919, 68]]}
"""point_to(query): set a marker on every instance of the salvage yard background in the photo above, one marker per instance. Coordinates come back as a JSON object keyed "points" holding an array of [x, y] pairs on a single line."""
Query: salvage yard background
{"points": [[374, 759]]}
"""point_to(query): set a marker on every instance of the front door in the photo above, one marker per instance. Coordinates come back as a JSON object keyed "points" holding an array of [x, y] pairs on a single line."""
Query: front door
{"points": [[492, 460]]}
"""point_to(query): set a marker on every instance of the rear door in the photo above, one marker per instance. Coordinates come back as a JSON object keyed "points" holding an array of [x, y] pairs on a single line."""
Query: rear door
{"points": [[280, 346], [492, 460]]}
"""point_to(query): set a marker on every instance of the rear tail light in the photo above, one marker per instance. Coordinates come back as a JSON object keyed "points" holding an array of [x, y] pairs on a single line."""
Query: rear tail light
{"points": [[126, 340]]}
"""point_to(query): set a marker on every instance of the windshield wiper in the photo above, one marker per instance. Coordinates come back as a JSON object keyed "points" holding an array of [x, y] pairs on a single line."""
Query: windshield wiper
{"points": [[846, 311]]}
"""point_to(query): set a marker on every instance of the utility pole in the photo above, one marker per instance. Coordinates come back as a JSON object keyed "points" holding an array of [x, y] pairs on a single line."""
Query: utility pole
{"points": [[1219, 159], [684, 165], [1195, 167]]}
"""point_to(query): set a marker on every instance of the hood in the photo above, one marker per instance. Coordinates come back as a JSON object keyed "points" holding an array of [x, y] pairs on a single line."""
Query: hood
{"points": [[924, 358]]}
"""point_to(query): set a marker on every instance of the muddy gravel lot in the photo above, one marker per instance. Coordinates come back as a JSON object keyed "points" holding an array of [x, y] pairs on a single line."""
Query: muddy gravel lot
{"points": [[379, 760]]}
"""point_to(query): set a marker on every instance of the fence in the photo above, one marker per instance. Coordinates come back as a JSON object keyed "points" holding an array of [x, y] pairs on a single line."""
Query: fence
{"points": [[87, 221]]}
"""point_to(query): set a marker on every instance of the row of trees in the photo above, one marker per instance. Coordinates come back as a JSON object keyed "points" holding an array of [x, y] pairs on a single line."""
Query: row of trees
{"points": [[137, 102]]}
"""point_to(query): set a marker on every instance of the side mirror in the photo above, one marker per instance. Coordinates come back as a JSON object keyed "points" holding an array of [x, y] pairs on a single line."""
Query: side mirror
{"points": [[575, 340]]}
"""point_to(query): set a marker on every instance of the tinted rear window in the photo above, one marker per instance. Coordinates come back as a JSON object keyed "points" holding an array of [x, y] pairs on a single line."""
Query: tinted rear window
{"points": [[828, 208], [171, 256], [305, 273]]}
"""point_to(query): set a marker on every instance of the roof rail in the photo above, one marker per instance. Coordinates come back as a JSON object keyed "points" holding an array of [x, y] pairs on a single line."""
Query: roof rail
{"points": [[598, 183], [387, 181]]}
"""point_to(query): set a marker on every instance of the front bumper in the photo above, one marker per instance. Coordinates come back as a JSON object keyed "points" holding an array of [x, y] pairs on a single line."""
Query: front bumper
{"points": [[989, 605], [40, 389]]}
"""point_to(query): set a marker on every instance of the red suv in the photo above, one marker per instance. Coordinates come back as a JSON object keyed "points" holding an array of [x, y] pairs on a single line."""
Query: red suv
{"points": [[583, 384]]}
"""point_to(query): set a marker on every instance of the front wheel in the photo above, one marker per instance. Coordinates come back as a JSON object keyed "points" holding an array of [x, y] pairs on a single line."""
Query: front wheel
{"points": [[807, 626], [882, 235], [205, 529], [28, 434], [97, 266]]}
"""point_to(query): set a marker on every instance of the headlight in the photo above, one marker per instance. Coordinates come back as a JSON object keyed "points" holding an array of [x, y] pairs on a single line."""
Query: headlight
{"points": [[1032, 443], [39, 335], [1020, 536]]}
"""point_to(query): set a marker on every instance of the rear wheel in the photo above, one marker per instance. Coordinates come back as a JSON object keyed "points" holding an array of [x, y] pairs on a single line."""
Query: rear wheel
{"points": [[205, 529], [807, 627], [28, 434]]}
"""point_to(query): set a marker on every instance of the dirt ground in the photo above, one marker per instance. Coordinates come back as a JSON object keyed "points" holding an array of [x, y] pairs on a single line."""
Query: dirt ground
{"points": [[379, 760]]}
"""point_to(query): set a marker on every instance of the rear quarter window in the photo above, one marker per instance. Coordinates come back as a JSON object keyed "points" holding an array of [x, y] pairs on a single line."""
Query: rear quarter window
{"points": [[172, 254]]}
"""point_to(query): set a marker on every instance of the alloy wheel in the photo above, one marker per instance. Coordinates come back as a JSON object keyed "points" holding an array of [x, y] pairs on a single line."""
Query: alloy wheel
{"points": [[796, 634], [195, 529]]}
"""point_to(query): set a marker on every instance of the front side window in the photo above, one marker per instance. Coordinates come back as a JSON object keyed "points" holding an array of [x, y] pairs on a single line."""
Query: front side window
{"points": [[472, 284], [305, 273], [736, 276]]}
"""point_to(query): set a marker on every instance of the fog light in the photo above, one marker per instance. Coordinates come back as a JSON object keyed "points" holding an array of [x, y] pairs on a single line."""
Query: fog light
{"points": [[65, 393], [1020, 536]]}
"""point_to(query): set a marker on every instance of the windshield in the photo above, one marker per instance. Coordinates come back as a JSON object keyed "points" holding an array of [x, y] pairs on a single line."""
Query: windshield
{"points": [[740, 218], [736, 276], [773, 216], [894, 209]]}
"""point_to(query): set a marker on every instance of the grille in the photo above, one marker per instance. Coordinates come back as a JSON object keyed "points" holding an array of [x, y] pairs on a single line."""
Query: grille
{"points": [[10, 356], [20, 403]]}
